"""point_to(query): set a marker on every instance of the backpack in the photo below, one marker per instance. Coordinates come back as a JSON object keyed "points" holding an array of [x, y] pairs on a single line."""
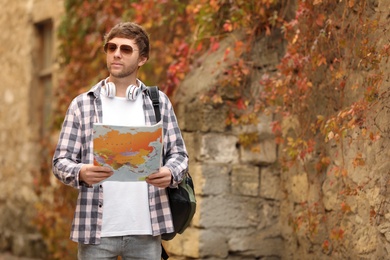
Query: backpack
{"points": [[182, 199]]}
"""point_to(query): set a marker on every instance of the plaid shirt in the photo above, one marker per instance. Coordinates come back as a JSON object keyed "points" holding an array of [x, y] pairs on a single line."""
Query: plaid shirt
{"points": [[74, 149]]}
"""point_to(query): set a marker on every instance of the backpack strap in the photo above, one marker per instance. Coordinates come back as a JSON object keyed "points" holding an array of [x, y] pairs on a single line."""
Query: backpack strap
{"points": [[164, 254], [154, 95]]}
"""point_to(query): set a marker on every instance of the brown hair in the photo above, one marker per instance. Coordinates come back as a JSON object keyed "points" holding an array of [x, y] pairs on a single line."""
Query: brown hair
{"points": [[131, 31]]}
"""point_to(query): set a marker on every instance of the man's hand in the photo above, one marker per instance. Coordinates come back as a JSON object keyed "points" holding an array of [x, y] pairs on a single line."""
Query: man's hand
{"points": [[160, 179], [92, 174]]}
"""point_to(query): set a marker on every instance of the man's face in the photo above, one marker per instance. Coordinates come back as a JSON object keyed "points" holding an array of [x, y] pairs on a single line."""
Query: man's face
{"points": [[123, 57]]}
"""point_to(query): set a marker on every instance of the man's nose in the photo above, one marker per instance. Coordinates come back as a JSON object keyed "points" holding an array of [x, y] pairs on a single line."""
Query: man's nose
{"points": [[117, 52]]}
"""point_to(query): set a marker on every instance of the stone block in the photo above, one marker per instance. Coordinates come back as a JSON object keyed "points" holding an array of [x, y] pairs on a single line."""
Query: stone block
{"points": [[270, 184], [330, 189], [314, 192], [211, 179], [213, 244], [229, 211], [181, 115], [29, 245], [384, 229], [208, 68], [269, 214], [257, 243], [218, 148], [193, 144], [299, 187], [186, 244], [197, 178], [363, 240], [204, 118], [5, 240], [290, 125], [196, 219], [263, 128], [266, 55], [245, 180], [262, 153], [286, 213]]}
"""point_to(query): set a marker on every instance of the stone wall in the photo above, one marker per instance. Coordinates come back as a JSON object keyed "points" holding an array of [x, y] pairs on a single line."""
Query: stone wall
{"points": [[20, 128], [237, 187], [344, 215], [248, 209]]}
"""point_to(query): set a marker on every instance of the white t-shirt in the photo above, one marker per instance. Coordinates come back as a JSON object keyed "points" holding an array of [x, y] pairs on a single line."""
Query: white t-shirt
{"points": [[125, 204]]}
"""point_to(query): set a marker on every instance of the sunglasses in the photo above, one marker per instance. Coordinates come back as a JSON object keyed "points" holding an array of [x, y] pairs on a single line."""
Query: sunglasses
{"points": [[110, 48]]}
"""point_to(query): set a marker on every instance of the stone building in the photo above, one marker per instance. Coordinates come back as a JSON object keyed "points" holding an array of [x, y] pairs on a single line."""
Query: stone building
{"points": [[244, 202], [28, 70]]}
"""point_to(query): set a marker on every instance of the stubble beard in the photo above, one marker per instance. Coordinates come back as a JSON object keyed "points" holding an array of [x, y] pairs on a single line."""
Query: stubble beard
{"points": [[123, 73]]}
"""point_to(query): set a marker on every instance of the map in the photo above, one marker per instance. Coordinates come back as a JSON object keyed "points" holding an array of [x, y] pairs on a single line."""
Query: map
{"points": [[132, 152]]}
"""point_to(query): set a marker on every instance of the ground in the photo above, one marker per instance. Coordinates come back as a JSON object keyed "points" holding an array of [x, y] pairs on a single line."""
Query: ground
{"points": [[8, 256]]}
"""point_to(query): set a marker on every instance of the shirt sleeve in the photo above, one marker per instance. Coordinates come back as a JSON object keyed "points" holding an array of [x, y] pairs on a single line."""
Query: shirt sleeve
{"points": [[175, 152], [67, 156]]}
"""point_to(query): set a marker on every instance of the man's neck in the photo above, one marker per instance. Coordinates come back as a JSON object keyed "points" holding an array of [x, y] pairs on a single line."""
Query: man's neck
{"points": [[121, 84]]}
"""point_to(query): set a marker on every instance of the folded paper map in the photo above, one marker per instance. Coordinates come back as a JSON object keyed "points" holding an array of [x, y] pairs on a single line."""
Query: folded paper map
{"points": [[132, 152]]}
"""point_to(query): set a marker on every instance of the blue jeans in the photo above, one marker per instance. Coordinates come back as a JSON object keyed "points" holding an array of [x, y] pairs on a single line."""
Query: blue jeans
{"points": [[128, 247]]}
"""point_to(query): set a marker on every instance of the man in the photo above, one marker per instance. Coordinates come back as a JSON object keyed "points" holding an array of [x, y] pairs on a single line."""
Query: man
{"points": [[119, 218]]}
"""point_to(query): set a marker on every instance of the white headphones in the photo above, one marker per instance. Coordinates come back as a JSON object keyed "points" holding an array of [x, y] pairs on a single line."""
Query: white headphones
{"points": [[109, 88]]}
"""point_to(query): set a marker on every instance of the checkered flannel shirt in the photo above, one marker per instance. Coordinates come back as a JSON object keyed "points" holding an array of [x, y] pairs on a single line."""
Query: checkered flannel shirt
{"points": [[74, 149]]}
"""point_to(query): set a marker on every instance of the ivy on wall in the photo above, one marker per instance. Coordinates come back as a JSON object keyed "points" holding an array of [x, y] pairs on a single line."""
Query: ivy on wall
{"points": [[325, 39], [328, 83]]}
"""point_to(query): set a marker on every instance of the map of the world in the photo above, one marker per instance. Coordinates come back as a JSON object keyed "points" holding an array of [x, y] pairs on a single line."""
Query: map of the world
{"points": [[132, 152]]}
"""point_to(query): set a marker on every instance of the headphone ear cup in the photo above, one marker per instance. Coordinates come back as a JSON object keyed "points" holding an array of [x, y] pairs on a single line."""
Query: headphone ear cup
{"points": [[110, 89], [132, 92]]}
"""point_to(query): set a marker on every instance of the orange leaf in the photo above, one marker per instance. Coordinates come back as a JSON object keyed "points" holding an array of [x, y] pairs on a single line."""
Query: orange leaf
{"points": [[267, 30], [321, 60], [320, 20], [358, 161], [345, 207], [337, 234], [238, 48], [217, 99], [374, 137]]}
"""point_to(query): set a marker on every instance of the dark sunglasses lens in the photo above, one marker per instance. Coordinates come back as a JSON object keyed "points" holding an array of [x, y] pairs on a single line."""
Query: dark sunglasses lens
{"points": [[126, 49], [110, 47]]}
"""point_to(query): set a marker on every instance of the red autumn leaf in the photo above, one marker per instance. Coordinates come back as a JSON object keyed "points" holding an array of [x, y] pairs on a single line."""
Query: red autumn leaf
{"points": [[228, 27], [241, 104], [227, 52], [215, 46], [325, 245]]}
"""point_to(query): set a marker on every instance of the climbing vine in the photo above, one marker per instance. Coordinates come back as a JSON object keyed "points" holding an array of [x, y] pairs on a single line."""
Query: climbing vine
{"points": [[324, 40], [327, 83]]}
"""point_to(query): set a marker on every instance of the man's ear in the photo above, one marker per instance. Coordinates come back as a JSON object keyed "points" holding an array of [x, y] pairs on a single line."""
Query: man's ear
{"points": [[142, 61]]}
